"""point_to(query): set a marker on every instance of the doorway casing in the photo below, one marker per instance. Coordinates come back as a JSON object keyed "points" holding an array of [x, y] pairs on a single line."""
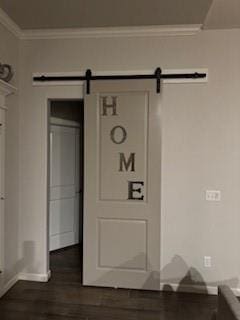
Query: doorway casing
{"points": [[53, 93]]}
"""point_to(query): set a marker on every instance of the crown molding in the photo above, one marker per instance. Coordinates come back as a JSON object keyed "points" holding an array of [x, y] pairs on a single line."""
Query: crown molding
{"points": [[10, 25], [108, 32]]}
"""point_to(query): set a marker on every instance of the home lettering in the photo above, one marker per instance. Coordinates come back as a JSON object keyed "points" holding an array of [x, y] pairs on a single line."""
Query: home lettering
{"points": [[118, 135]]}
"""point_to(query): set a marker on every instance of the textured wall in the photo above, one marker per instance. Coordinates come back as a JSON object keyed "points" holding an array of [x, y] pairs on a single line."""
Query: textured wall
{"points": [[200, 144]]}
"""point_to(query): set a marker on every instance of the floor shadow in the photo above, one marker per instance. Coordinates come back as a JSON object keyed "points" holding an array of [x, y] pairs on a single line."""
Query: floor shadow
{"points": [[148, 280]]}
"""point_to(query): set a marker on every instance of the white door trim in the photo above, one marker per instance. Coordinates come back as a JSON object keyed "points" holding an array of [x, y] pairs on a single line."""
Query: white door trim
{"points": [[54, 94]]}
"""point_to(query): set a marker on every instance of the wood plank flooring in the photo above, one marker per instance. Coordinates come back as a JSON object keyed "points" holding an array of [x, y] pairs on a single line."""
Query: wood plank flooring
{"points": [[64, 298]]}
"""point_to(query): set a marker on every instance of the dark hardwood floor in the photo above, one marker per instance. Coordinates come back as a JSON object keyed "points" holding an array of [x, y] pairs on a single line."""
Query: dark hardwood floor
{"points": [[64, 298]]}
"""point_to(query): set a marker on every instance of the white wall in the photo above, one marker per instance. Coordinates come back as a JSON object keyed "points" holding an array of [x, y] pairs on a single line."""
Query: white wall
{"points": [[9, 53], [200, 146]]}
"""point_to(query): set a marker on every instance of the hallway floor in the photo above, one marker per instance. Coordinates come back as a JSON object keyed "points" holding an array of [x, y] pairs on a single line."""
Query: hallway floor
{"points": [[64, 298]]}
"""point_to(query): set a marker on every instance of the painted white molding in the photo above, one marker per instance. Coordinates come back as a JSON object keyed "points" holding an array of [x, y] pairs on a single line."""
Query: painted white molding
{"points": [[64, 122], [26, 277], [177, 71], [8, 285], [211, 290], [136, 31], [103, 32], [201, 289], [6, 88], [9, 24], [39, 277], [106, 32], [110, 73]]}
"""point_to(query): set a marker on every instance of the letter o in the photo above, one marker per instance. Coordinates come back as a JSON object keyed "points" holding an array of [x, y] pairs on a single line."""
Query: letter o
{"points": [[124, 135]]}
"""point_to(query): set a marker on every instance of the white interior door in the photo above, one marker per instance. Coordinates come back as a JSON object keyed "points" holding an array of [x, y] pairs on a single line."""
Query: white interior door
{"points": [[64, 187], [2, 188], [122, 185]]}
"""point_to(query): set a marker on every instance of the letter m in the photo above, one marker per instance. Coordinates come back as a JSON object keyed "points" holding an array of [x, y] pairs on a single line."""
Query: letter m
{"points": [[129, 163]]}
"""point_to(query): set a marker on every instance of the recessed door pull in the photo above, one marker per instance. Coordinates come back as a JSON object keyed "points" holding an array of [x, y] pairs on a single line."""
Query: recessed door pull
{"points": [[2, 198]]}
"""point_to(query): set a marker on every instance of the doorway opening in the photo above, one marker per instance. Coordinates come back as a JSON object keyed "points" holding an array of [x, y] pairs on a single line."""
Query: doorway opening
{"points": [[65, 183]]}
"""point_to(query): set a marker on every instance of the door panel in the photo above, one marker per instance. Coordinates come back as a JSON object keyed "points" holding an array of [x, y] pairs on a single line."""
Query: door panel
{"points": [[122, 185], [64, 184], [115, 236], [63, 156], [62, 219]]}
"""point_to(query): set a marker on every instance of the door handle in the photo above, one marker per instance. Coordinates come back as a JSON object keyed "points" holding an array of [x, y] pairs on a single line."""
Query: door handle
{"points": [[2, 198]]}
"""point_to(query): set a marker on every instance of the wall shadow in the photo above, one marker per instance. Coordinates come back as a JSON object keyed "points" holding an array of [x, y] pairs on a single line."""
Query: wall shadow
{"points": [[183, 277], [176, 276], [24, 264], [187, 278]]}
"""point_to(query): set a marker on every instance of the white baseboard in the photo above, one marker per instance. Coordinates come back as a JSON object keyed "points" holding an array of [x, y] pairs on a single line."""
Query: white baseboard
{"points": [[201, 289], [8, 285], [44, 277], [49, 274], [39, 277], [236, 291], [27, 277]]}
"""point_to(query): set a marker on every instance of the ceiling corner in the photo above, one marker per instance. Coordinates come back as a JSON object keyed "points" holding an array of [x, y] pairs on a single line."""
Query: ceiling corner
{"points": [[9, 24]]}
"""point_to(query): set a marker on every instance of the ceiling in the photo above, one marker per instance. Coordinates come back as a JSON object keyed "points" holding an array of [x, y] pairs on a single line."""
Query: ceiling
{"points": [[223, 14], [62, 14], [47, 14]]}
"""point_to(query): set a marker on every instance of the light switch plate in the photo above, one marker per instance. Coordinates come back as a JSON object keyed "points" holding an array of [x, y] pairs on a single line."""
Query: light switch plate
{"points": [[207, 262], [213, 195]]}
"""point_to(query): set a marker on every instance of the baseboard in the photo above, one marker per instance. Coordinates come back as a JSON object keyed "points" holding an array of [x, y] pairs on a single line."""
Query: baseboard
{"points": [[8, 285], [26, 277], [44, 277], [236, 292], [39, 277], [49, 274], [201, 289]]}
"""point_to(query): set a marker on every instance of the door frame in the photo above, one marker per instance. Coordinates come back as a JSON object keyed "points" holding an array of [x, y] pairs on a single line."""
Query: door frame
{"points": [[2, 201], [53, 93]]}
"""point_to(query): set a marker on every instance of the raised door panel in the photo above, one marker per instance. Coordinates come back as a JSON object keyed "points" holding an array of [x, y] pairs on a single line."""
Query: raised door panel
{"points": [[63, 156]]}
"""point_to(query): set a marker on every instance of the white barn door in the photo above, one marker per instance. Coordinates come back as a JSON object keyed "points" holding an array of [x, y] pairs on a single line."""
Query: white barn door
{"points": [[122, 185]]}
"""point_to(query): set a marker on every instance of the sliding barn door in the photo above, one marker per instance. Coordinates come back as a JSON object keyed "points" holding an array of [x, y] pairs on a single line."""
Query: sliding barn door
{"points": [[122, 185]]}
